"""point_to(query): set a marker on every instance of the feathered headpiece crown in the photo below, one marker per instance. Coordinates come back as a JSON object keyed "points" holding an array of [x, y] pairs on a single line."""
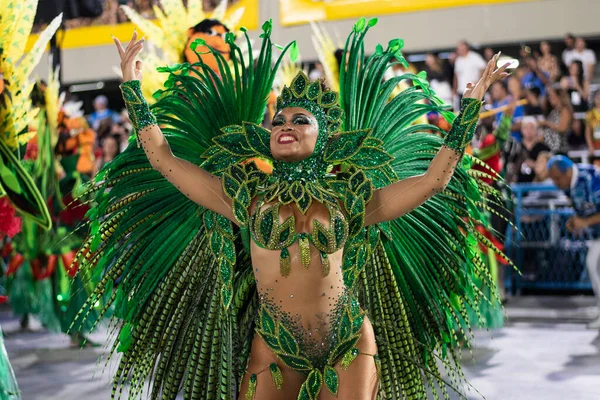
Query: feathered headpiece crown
{"points": [[323, 104]]}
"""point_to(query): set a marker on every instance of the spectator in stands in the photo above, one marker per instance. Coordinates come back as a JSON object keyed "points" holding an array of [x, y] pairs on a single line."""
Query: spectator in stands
{"points": [[541, 169], [557, 123], [501, 98], [592, 125], [467, 68], [577, 87], [531, 148], [439, 78], [585, 55], [122, 134], [576, 137], [569, 48], [548, 63], [104, 130], [533, 76], [534, 102], [488, 54], [101, 112], [581, 183], [110, 149]]}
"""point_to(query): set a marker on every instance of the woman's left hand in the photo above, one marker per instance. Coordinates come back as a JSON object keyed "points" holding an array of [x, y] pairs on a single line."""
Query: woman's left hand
{"points": [[489, 76]]}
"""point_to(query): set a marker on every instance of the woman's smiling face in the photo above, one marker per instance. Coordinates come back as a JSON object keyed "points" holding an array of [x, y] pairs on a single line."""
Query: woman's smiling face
{"points": [[294, 134]]}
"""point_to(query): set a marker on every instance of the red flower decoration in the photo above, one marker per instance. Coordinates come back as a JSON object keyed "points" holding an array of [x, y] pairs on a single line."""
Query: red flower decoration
{"points": [[10, 224]]}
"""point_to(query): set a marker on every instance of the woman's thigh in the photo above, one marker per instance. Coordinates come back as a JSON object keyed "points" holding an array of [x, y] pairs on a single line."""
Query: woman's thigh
{"points": [[360, 381], [261, 357]]}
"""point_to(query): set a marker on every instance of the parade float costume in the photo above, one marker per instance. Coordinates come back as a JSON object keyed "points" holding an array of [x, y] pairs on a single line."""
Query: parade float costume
{"points": [[180, 23], [180, 276], [16, 113]]}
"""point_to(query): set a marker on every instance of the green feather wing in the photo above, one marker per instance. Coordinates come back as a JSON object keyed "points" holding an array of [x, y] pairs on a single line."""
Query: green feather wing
{"points": [[177, 275], [419, 275]]}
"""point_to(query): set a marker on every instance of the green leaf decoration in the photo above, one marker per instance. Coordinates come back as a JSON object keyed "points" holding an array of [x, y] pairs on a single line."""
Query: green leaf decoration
{"points": [[240, 212], [342, 348], [24, 195], [299, 85], [370, 157], [328, 99], [238, 173], [286, 340], [226, 296], [332, 380], [230, 186], [344, 145], [314, 90], [373, 22], [243, 195], [9, 180], [267, 323], [298, 363], [196, 43], [360, 25], [271, 341], [235, 144], [215, 243], [396, 45], [314, 383], [294, 52], [209, 220], [267, 26], [259, 139]]}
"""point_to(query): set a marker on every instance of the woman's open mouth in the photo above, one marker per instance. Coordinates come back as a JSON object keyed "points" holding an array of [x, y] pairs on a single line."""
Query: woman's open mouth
{"points": [[286, 138]]}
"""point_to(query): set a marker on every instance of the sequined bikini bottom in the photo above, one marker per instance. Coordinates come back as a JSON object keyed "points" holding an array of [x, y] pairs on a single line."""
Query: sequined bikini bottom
{"points": [[312, 358]]}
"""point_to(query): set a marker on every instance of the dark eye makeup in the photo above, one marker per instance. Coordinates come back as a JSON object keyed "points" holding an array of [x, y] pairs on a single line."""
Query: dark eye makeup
{"points": [[298, 119]]}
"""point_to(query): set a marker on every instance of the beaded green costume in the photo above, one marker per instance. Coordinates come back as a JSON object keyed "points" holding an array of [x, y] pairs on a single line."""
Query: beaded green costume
{"points": [[181, 278]]}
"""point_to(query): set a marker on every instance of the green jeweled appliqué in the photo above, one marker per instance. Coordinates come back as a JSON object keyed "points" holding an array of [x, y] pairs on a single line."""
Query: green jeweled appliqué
{"points": [[301, 192], [269, 233], [276, 375], [137, 107], [331, 379], [241, 183], [251, 392], [285, 338], [220, 234], [464, 126]]}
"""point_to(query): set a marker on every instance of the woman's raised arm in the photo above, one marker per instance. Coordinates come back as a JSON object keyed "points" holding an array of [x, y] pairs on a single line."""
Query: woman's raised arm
{"points": [[197, 184]]}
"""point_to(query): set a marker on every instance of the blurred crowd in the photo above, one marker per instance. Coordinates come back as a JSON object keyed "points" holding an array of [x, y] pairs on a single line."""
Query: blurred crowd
{"points": [[550, 97]]}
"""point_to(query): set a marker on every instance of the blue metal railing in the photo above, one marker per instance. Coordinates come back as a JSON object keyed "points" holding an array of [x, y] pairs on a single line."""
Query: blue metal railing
{"points": [[548, 256]]}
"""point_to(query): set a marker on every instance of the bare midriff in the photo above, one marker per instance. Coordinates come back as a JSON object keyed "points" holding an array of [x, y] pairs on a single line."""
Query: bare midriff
{"points": [[306, 298]]}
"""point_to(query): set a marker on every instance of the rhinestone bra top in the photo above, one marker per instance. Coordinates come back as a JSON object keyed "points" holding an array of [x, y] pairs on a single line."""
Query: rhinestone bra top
{"points": [[268, 233]]}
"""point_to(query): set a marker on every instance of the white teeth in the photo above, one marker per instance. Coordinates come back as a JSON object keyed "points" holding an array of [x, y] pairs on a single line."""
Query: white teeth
{"points": [[287, 139]]}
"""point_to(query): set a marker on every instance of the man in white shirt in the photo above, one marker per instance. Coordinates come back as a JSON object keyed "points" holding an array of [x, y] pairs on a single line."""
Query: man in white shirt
{"points": [[585, 55], [468, 67], [570, 48]]}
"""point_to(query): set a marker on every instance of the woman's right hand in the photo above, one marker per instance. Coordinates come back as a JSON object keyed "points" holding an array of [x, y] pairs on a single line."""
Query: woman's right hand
{"points": [[131, 69]]}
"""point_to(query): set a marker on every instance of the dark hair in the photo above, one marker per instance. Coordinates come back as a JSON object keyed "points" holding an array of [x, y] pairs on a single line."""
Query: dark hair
{"points": [[104, 128], [580, 74], [534, 90], [569, 36], [338, 54], [206, 25]]}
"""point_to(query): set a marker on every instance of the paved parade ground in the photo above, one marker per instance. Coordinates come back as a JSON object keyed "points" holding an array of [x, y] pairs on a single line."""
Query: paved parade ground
{"points": [[543, 353]]}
